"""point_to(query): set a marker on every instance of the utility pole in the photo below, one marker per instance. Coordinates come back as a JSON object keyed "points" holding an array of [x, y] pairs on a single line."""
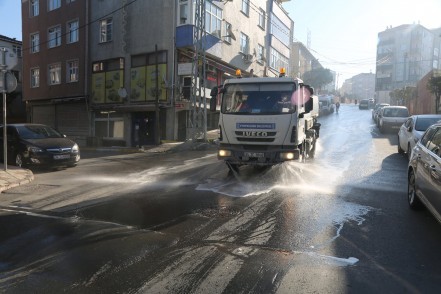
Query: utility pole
{"points": [[3, 89], [198, 113], [157, 129], [8, 84]]}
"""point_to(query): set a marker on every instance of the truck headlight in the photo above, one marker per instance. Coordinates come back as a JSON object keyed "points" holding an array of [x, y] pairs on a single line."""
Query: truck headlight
{"points": [[224, 153], [287, 155]]}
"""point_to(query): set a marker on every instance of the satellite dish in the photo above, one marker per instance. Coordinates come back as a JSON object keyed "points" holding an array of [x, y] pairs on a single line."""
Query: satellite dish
{"points": [[230, 33]]}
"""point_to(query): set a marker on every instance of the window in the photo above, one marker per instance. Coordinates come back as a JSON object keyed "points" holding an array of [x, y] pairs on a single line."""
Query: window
{"points": [[35, 43], [54, 37], [183, 12], [35, 77], [72, 31], [17, 50], [106, 30], [213, 19], [35, 7], [279, 29], [54, 4], [278, 61], [260, 53], [72, 71], [262, 18], [228, 32], [55, 74], [245, 7], [244, 43], [435, 146]]}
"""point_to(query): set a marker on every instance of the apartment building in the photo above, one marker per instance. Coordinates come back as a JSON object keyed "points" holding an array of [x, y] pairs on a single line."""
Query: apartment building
{"points": [[303, 59], [137, 59], [15, 107], [404, 55], [54, 65]]}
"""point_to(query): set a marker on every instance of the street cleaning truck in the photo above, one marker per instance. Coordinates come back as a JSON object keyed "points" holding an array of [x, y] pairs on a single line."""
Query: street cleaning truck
{"points": [[267, 121]]}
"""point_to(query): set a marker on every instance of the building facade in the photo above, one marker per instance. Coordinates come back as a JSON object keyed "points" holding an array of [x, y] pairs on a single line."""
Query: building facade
{"points": [[135, 61], [54, 65], [15, 106], [404, 55], [303, 59]]}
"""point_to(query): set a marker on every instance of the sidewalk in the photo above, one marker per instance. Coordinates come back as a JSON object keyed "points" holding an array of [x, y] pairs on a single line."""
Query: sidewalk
{"points": [[16, 176]]}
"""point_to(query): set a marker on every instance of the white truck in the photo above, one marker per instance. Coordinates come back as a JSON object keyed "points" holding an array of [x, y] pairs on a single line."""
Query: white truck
{"points": [[266, 121]]}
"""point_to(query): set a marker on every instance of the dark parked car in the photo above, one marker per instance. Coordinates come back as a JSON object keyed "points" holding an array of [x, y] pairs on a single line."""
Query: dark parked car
{"points": [[424, 173], [364, 104], [38, 145]]}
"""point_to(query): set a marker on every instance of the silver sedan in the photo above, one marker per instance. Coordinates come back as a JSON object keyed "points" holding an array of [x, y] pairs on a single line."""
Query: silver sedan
{"points": [[412, 130], [424, 172]]}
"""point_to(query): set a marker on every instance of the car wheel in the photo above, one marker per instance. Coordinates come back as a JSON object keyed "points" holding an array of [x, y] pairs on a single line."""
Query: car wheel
{"points": [[412, 198], [19, 160], [400, 150]]}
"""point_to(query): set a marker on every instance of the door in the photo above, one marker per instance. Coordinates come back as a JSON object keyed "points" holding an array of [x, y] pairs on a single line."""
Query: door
{"points": [[143, 128], [433, 189]]}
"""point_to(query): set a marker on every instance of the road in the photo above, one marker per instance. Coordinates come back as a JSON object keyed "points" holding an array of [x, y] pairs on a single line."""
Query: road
{"points": [[178, 223]]}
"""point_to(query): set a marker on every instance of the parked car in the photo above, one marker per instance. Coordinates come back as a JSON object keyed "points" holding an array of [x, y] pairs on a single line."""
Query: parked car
{"points": [[38, 145], [376, 110], [364, 104], [424, 172], [392, 117], [412, 130], [326, 104]]}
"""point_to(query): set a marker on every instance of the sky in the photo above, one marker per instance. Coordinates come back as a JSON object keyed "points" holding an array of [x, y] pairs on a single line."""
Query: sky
{"points": [[343, 33]]}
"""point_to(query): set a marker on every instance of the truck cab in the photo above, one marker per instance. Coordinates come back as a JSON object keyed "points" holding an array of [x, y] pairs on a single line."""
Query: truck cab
{"points": [[266, 121]]}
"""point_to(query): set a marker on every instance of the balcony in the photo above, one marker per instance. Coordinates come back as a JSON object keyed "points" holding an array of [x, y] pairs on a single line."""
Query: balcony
{"points": [[185, 35]]}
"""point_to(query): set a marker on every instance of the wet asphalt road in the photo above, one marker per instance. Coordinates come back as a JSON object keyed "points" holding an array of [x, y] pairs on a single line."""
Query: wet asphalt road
{"points": [[178, 223]]}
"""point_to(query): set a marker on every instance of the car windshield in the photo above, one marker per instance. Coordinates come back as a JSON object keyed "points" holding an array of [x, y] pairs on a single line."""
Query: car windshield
{"points": [[259, 99], [423, 123], [37, 132], [395, 112]]}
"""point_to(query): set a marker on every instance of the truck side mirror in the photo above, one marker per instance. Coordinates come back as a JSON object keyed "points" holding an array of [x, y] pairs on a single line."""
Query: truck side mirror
{"points": [[309, 105]]}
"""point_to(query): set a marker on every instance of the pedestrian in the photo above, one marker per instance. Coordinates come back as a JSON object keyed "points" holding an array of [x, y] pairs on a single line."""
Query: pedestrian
{"points": [[337, 105]]}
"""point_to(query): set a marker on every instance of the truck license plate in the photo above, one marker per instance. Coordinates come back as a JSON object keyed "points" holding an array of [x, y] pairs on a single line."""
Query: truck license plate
{"points": [[254, 154]]}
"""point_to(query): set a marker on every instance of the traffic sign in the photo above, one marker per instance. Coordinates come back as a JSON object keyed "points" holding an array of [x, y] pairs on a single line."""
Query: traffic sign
{"points": [[11, 82]]}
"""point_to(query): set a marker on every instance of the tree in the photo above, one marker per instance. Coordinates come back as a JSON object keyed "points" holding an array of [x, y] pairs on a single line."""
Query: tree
{"points": [[403, 96], [434, 86], [318, 77]]}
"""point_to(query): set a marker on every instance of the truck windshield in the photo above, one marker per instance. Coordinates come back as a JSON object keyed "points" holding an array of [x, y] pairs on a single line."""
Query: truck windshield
{"points": [[268, 98]]}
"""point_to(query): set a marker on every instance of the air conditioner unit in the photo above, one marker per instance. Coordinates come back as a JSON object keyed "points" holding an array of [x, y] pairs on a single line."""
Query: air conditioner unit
{"points": [[248, 58]]}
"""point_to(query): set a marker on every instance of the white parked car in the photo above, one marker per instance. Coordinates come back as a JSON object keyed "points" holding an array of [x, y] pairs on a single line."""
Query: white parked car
{"points": [[412, 130], [392, 117]]}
